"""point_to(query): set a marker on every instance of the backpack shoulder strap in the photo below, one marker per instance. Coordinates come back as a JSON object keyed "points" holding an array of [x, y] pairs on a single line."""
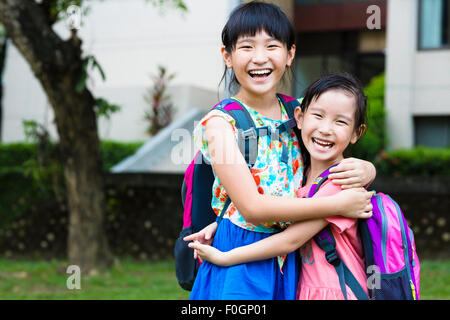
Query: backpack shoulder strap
{"points": [[326, 241], [320, 180], [247, 137], [247, 133], [289, 104]]}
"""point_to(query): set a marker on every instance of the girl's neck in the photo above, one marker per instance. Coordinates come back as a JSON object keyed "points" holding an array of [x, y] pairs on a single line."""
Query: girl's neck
{"points": [[265, 104], [318, 166]]}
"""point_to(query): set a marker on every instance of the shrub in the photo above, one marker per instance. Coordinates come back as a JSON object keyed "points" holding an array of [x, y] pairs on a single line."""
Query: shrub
{"points": [[14, 155], [374, 140], [25, 183], [419, 161]]}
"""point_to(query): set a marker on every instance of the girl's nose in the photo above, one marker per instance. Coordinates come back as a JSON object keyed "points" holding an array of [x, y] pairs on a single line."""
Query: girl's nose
{"points": [[325, 128], [259, 56]]}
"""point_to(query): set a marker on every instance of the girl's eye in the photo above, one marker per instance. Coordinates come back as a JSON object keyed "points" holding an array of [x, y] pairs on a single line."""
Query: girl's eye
{"points": [[317, 115], [341, 122]]}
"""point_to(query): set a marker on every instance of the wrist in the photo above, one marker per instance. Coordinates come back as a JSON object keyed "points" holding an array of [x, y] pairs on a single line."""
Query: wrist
{"points": [[335, 205], [226, 259]]}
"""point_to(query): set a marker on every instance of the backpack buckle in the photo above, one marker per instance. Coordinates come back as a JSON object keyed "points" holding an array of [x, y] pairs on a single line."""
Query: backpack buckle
{"points": [[248, 144], [249, 134], [333, 258]]}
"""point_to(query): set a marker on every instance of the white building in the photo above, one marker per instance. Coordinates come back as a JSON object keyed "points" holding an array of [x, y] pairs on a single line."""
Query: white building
{"points": [[129, 39], [418, 73]]}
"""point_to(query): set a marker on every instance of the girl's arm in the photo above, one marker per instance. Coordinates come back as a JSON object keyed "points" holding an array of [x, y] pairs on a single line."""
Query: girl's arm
{"points": [[278, 244], [353, 173], [232, 170]]}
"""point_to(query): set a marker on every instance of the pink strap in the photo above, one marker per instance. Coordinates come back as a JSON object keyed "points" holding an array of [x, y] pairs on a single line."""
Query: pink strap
{"points": [[188, 178]]}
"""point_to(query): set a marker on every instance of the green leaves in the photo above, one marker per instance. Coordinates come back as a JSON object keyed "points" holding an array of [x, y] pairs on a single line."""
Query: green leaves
{"points": [[375, 138], [89, 62], [105, 109]]}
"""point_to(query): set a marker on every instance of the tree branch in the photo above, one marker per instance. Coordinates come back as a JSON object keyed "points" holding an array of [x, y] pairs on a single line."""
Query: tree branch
{"points": [[47, 6], [27, 24]]}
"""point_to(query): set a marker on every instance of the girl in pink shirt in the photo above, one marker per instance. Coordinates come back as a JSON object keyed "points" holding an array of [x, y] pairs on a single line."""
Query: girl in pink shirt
{"points": [[332, 115]]}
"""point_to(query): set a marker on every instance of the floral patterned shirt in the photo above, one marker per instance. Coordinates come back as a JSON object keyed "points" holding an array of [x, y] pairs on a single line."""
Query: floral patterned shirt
{"points": [[271, 175]]}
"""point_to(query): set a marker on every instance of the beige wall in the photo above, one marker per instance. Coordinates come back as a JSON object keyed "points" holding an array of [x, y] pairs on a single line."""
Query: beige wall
{"points": [[432, 83]]}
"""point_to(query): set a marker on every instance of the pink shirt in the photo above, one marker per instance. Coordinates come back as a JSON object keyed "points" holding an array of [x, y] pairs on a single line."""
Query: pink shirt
{"points": [[318, 279]]}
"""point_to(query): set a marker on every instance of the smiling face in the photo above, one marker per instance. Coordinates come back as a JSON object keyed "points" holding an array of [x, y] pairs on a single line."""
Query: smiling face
{"points": [[259, 63], [328, 125]]}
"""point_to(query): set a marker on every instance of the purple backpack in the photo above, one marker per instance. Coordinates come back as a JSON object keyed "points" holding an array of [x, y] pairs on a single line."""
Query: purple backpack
{"points": [[196, 191], [391, 261]]}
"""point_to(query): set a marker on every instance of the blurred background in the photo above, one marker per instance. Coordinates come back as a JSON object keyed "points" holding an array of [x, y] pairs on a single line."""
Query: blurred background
{"points": [[98, 100]]}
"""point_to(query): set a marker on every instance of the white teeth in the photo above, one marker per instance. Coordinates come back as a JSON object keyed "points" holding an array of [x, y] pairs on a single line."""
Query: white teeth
{"points": [[323, 143], [260, 72]]}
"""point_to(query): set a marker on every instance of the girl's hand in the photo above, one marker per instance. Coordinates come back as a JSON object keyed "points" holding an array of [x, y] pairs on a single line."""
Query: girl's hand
{"points": [[209, 253], [354, 203], [353, 173], [204, 236]]}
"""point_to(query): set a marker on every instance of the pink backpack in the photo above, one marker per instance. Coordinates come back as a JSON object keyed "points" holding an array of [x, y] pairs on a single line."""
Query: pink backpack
{"points": [[391, 261]]}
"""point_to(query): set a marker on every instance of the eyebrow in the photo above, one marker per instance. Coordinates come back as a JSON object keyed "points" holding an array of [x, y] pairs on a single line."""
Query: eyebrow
{"points": [[248, 39]]}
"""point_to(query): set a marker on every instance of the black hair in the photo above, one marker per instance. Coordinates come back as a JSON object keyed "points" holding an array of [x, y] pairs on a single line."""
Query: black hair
{"points": [[251, 18], [342, 81]]}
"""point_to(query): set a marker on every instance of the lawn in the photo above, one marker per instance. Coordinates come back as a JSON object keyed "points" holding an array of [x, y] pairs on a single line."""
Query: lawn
{"points": [[129, 279]]}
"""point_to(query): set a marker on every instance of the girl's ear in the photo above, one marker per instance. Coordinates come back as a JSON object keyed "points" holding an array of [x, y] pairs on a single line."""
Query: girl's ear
{"points": [[226, 57], [291, 56], [358, 133], [298, 115]]}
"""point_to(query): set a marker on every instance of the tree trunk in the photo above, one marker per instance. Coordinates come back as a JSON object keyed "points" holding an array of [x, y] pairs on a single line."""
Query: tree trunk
{"points": [[58, 66]]}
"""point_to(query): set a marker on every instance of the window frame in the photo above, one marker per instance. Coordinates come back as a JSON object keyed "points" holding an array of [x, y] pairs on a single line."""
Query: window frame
{"points": [[419, 31]]}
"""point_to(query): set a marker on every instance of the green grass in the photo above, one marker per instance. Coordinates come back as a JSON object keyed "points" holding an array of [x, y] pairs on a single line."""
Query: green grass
{"points": [[435, 280], [129, 279]]}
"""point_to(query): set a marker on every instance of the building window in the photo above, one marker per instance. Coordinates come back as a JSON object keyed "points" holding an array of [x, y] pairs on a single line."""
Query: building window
{"points": [[432, 131], [434, 24]]}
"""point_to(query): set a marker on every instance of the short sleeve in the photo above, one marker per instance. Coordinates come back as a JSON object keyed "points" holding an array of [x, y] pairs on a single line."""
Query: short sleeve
{"points": [[341, 223], [200, 141]]}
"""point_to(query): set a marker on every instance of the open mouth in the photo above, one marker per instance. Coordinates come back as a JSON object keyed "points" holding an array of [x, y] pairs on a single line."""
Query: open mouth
{"points": [[323, 143], [259, 73]]}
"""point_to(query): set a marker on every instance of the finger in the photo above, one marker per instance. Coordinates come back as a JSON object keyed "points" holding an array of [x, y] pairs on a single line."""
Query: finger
{"points": [[369, 195], [343, 174], [348, 181], [366, 215], [350, 186], [192, 245], [343, 166], [190, 237]]}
